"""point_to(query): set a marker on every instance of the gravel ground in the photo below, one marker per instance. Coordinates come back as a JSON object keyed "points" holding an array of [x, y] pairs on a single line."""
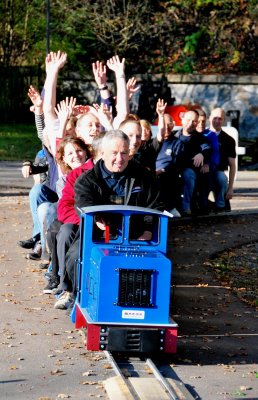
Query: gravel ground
{"points": [[238, 269], [42, 356]]}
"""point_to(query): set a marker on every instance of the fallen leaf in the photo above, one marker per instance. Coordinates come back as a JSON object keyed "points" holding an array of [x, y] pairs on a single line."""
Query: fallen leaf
{"points": [[45, 398], [107, 366], [88, 373], [57, 372], [245, 388]]}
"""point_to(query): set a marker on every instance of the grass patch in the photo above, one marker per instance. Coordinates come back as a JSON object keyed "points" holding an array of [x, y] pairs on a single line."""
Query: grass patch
{"points": [[238, 269], [18, 142]]}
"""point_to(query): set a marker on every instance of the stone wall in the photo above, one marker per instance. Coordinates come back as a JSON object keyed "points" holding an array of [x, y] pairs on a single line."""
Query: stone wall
{"points": [[229, 92], [237, 93]]}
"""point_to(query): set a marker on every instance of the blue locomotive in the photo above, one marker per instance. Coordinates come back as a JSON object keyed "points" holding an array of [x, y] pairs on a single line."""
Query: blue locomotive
{"points": [[123, 295]]}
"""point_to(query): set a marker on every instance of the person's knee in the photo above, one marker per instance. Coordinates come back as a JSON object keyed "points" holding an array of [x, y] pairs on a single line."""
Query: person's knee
{"points": [[189, 179], [189, 175], [35, 191], [43, 209], [221, 180], [67, 233]]}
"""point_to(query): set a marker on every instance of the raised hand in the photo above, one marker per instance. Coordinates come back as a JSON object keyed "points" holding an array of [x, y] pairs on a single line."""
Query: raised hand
{"points": [[131, 87], [105, 115], [55, 61], [160, 107], [100, 73], [117, 66], [65, 108], [35, 96]]}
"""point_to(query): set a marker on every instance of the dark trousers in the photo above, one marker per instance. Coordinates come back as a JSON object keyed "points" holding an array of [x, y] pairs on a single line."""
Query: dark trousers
{"points": [[71, 263], [170, 186], [65, 238]]}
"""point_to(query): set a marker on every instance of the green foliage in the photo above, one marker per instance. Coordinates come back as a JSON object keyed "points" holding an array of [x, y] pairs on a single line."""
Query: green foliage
{"points": [[18, 142], [183, 66], [201, 3], [192, 42], [200, 36]]}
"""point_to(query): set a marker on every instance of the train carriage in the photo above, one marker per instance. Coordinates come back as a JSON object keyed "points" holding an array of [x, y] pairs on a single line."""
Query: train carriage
{"points": [[123, 294]]}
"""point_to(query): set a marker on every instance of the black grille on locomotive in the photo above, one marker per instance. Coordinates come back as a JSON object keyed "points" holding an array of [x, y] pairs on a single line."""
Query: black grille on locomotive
{"points": [[135, 288], [115, 338]]}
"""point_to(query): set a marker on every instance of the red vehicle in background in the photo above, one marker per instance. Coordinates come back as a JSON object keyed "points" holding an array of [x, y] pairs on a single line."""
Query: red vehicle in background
{"points": [[177, 112]]}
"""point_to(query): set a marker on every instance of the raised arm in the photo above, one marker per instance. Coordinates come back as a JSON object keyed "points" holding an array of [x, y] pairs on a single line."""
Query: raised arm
{"points": [[122, 101], [160, 109], [37, 108], [36, 100], [54, 63]]}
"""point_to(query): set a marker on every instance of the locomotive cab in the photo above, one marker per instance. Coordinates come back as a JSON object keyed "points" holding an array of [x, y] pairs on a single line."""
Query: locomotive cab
{"points": [[123, 296]]}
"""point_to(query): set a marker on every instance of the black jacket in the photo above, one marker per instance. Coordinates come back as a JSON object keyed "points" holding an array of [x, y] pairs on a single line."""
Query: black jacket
{"points": [[91, 188], [139, 188]]}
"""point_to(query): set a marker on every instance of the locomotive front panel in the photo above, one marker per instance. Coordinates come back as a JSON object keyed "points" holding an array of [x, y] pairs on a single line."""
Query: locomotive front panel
{"points": [[128, 286]]}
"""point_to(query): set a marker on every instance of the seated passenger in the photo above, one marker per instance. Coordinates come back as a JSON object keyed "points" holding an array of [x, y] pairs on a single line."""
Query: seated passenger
{"points": [[206, 171], [113, 175], [62, 231], [144, 153], [150, 146], [181, 158]]}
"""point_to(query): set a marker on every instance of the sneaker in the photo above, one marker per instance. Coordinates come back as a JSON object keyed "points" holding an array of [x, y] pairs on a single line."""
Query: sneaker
{"points": [[175, 213], [36, 253], [57, 291], [47, 275], [64, 301], [44, 265], [62, 287], [28, 244], [52, 284]]}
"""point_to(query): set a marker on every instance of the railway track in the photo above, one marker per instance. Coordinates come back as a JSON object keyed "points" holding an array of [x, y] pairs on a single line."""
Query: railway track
{"points": [[142, 379]]}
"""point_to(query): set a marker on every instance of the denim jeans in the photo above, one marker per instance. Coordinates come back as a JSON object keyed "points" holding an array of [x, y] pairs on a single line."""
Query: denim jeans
{"points": [[219, 187], [39, 194], [189, 179], [47, 213]]}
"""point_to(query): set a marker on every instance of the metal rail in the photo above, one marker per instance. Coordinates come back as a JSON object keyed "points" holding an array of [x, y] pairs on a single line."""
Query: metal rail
{"points": [[172, 389], [162, 380]]}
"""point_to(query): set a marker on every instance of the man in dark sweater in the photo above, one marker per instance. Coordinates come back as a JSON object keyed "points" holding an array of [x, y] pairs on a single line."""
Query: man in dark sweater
{"points": [[221, 185], [179, 162]]}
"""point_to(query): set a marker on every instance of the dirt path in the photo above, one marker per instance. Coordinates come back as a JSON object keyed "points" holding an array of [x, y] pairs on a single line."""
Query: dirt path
{"points": [[43, 356], [218, 343]]}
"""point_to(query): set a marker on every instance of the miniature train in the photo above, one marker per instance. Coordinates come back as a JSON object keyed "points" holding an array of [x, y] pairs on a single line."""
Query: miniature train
{"points": [[123, 296]]}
